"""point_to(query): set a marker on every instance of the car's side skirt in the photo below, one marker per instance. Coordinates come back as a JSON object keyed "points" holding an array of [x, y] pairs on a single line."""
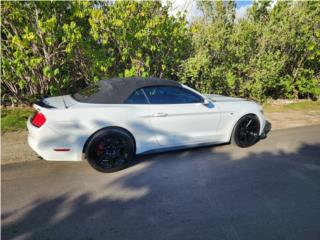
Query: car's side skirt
{"points": [[174, 148]]}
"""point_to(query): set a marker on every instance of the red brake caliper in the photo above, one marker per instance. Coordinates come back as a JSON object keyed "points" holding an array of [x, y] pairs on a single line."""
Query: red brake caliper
{"points": [[100, 149]]}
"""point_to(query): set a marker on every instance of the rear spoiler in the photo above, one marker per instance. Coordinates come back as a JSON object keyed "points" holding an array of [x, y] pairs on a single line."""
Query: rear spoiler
{"points": [[42, 104]]}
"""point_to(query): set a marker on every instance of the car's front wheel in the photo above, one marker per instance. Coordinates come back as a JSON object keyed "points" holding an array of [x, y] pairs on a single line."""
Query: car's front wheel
{"points": [[110, 150], [246, 131]]}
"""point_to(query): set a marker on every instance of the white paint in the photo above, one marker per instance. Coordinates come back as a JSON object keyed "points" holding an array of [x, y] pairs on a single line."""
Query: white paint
{"points": [[152, 125]]}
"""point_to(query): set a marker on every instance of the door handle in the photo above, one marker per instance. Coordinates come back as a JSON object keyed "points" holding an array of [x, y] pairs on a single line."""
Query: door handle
{"points": [[159, 115]]}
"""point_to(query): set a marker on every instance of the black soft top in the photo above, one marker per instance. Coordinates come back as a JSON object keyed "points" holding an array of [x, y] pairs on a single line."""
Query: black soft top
{"points": [[117, 90]]}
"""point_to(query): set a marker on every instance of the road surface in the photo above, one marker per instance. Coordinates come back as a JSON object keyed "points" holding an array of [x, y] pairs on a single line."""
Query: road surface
{"points": [[268, 191]]}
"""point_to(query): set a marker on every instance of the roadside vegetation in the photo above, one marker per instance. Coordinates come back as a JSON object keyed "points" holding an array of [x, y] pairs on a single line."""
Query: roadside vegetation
{"points": [[53, 48], [13, 119], [303, 106]]}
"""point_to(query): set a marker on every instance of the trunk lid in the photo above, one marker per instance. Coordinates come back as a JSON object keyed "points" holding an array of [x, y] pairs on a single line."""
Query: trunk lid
{"points": [[65, 101]]}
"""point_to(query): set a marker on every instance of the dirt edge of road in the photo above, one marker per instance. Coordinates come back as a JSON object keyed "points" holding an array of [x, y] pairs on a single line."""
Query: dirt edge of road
{"points": [[14, 146]]}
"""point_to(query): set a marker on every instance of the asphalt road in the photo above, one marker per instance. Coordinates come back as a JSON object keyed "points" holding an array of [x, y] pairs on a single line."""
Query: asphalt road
{"points": [[269, 191]]}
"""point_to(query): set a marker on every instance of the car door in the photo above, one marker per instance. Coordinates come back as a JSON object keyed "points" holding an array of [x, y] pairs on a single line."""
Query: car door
{"points": [[138, 121], [179, 116]]}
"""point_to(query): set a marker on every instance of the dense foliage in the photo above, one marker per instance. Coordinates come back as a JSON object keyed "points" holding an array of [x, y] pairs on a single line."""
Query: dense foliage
{"points": [[274, 52], [58, 47]]}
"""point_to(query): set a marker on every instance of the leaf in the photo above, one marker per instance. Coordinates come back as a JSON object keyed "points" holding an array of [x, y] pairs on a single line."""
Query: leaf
{"points": [[46, 71]]}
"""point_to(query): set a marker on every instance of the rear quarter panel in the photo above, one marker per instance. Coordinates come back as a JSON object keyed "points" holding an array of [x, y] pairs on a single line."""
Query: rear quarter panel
{"points": [[75, 125]]}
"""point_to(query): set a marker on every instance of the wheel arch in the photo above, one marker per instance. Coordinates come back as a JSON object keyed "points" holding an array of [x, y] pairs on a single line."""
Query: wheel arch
{"points": [[105, 128], [237, 120]]}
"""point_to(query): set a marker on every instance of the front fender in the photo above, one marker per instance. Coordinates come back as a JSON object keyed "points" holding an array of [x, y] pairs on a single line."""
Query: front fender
{"points": [[232, 112]]}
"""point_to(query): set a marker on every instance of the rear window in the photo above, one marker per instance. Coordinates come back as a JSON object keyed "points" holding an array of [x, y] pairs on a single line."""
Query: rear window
{"points": [[90, 90], [87, 92]]}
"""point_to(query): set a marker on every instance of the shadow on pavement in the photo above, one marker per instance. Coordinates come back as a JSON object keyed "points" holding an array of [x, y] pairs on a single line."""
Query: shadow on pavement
{"points": [[200, 195]]}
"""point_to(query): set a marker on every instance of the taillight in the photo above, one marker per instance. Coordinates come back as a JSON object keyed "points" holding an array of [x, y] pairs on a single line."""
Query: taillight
{"points": [[38, 119]]}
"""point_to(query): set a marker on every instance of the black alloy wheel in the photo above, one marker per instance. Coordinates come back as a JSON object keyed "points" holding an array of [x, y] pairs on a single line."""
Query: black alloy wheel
{"points": [[110, 150], [246, 131]]}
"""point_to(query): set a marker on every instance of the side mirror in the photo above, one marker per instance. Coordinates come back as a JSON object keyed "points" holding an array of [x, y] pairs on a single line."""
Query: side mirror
{"points": [[206, 102]]}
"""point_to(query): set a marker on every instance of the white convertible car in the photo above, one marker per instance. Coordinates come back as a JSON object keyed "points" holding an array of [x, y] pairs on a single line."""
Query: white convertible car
{"points": [[111, 122]]}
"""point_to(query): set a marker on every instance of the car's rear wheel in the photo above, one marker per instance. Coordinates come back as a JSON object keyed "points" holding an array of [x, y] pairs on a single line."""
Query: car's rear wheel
{"points": [[110, 150], [246, 131]]}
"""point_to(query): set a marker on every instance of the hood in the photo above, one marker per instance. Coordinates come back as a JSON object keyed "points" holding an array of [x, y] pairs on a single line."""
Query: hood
{"points": [[60, 101], [220, 98]]}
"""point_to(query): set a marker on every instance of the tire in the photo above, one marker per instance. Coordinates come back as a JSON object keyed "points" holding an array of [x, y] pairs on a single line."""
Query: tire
{"points": [[246, 131], [110, 150]]}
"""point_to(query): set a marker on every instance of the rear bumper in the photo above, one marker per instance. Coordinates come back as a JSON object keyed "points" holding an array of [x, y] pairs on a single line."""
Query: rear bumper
{"points": [[266, 130], [45, 142]]}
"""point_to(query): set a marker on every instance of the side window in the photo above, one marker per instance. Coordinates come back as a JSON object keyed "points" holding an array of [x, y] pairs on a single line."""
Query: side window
{"points": [[171, 95], [137, 97]]}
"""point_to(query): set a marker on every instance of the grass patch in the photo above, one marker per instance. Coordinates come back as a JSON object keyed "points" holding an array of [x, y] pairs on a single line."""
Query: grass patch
{"points": [[299, 106], [14, 119]]}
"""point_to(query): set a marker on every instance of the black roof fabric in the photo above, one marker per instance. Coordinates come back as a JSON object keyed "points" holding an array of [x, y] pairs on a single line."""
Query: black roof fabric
{"points": [[117, 90]]}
